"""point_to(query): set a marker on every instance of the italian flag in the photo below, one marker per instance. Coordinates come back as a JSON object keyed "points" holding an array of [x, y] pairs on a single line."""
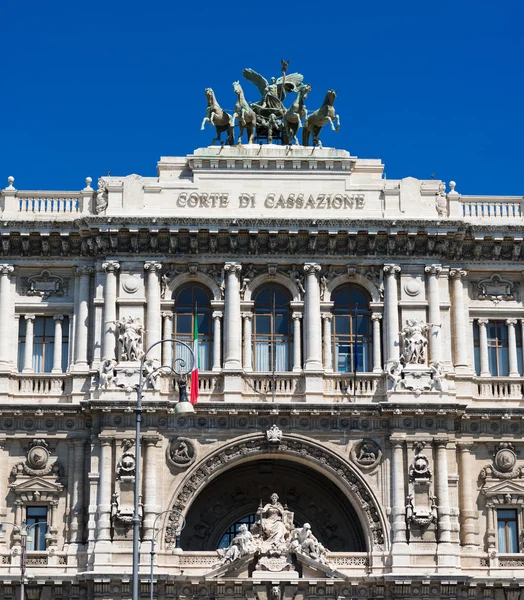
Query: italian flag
{"points": [[194, 373]]}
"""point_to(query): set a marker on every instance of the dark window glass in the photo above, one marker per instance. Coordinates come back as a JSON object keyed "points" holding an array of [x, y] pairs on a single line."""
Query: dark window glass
{"points": [[36, 521], [193, 301], [351, 330], [43, 343], [507, 530], [272, 333]]}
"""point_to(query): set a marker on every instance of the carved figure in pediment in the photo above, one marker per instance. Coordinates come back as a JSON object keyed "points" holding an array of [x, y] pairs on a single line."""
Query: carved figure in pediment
{"points": [[303, 541], [241, 545]]}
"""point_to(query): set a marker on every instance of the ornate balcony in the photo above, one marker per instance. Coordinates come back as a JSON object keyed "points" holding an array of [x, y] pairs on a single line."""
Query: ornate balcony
{"points": [[498, 388]]}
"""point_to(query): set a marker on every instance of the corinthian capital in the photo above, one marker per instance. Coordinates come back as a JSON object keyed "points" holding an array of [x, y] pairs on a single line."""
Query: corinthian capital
{"points": [[153, 266], [111, 266], [433, 269], [6, 269], [391, 269], [457, 274], [311, 268], [232, 268]]}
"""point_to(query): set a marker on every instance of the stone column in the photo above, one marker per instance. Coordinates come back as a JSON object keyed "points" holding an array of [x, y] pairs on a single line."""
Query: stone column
{"points": [[398, 493], [150, 485], [377, 353], [512, 348], [232, 317], [217, 340], [442, 491], [5, 312], [458, 318], [77, 504], [29, 339], [153, 325], [312, 336], [491, 532], [435, 351], [468, 511], [248, 344], [167, 334], [57, 356], [483, 348], [327, 355], [297, 339], [111, 268], [391, 314], [82, 317], [104, 490]]}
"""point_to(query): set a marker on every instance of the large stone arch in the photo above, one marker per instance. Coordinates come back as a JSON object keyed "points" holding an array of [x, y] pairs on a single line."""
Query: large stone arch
{"points": [[197, 278], [293, 448], [266, 278]]}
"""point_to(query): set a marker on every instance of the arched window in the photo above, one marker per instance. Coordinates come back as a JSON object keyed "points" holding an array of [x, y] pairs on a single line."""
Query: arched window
{"points": [[192, 302], [351, 330], [272, 334]]}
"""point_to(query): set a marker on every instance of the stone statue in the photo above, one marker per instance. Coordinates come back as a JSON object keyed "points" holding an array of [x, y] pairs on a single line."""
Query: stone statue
{"points": [[303, 540], [296, 112], [317, 120], [415, 342], [271, 523], [241, 545], [101, 202], [274, 92], [246, 117], [217, 117], [394, 372], [441, 201], [130, 338], [152, 373], [106, 373]]}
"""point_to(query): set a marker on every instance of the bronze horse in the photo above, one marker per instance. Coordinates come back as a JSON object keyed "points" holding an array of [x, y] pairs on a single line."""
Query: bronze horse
{"points": [[317, 120], [296, 112], [219, 118], [247, 118]]}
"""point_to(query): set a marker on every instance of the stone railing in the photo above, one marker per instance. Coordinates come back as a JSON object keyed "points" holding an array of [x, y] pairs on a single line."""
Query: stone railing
{"points": [[49, 202], [501, 208], [40, 384], [284, 386], [498, 388], [209, 384], [346, 387]]}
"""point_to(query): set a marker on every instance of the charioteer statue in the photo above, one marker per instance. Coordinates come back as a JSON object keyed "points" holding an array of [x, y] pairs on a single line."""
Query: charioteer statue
{"points": [[268, 119]]}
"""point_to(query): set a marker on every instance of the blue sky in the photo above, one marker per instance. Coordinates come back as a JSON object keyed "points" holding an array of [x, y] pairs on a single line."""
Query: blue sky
{"points": [[428, 87]]}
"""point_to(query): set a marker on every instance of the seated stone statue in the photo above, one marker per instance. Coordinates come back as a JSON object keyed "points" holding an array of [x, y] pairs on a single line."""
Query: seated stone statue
{"points": [[303, 541], [241, 545]]}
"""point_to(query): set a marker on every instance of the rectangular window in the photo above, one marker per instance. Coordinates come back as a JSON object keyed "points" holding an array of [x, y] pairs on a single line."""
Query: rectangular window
{"points": [[36, 521], [498, 348], [507, 531], [43, 344]]}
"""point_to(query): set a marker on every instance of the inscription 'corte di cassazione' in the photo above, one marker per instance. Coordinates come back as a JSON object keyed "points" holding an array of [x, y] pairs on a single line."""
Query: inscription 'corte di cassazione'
{"points": [[273, 200]]}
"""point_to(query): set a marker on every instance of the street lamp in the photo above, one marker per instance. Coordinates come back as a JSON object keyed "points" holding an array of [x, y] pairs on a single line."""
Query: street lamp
{"points": [[180, 369], [24, 537], [180, 523]]}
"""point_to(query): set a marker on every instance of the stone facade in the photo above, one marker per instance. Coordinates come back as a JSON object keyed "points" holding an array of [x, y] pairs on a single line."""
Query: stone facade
{"points": [[361, 356]]}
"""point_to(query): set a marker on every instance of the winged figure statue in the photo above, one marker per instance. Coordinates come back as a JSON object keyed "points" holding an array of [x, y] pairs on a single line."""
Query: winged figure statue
{"points": [[274, 91]]}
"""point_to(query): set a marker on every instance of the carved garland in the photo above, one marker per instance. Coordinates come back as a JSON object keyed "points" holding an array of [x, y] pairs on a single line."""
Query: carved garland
{"points": [[306, 449]]}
